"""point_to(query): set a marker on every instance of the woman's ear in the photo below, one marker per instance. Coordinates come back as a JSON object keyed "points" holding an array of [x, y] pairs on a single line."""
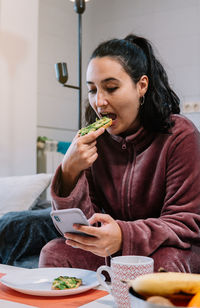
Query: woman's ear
{"points": [[143, 85]]}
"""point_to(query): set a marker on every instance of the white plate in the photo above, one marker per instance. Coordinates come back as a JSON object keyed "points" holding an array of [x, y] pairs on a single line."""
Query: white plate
{"points": [[38, 281]]}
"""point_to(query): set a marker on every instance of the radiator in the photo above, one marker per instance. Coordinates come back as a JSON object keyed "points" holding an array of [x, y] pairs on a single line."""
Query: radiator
{"points": [[48, 157]]}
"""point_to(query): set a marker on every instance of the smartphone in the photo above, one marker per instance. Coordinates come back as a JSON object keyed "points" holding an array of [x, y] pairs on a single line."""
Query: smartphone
{"points": [[64, 220]]}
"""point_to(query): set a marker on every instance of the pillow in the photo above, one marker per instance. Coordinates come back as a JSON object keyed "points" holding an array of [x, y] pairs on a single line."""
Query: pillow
{"points": [[19, 193], [41, 204]]}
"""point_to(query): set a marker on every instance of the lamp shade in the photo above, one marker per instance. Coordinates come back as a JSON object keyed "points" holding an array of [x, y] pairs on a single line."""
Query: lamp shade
{"points": [[79, 6], [74, 0], [61, 72]]}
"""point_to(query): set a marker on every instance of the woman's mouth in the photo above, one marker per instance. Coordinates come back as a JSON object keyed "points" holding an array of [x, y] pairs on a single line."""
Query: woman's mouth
{"points": [[112, 116]]}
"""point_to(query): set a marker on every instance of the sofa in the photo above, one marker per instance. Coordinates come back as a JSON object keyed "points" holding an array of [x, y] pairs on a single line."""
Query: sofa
{"points": [[25, 222]]}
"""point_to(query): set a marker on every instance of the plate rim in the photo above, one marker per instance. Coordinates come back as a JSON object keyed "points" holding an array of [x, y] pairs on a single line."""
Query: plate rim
{"points": [[49, 292]]}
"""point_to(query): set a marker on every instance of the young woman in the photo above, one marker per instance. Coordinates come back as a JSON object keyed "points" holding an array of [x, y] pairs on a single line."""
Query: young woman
{"points": [[138, 182]]}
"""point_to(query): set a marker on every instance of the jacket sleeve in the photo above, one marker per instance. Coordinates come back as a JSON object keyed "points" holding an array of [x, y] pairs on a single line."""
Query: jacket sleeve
{"points": [[82, 196], [179, 222]]}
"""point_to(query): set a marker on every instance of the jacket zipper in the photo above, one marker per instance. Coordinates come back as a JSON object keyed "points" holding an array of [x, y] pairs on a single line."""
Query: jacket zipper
{"points": [[124, 147], [126, 183]]}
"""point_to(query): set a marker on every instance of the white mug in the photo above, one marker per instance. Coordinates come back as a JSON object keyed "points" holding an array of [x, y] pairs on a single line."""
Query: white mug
{"points": [[124, 268]]}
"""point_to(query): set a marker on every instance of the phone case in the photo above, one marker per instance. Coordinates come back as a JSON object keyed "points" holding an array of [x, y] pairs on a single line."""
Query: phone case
{"points": [[64, 220]]}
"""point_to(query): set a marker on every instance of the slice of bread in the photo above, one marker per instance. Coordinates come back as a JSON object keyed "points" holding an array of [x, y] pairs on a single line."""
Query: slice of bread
{"points": [[103, 122]]}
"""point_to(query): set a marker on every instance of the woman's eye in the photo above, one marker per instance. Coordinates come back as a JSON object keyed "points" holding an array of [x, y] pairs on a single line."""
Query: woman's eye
{"points": [[110, 90], [92, 91]]}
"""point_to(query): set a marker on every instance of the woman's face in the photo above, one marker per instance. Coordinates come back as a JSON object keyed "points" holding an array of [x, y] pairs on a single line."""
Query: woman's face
{"points": [[112, 93]]}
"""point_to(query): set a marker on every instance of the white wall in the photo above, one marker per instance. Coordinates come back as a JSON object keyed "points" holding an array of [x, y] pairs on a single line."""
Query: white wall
{"points": [[57, 105], [18, 86]]}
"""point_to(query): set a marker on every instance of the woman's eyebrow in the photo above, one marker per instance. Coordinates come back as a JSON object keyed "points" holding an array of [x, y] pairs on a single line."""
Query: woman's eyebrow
{"points": [[89, 82], [104, 81], [109, 79]]}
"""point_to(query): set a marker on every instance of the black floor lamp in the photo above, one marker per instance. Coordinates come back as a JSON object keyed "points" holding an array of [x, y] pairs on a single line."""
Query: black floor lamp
{"points": [[61, 68]]}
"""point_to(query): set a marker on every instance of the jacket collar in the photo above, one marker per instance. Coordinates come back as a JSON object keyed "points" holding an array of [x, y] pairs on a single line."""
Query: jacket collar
{"points": [[139, 139]]}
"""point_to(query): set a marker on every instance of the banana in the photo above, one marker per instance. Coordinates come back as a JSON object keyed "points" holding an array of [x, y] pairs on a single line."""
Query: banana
{"points": [[166, 284]]}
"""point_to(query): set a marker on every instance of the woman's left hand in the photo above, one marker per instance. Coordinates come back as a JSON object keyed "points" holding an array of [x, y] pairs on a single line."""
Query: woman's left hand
{"points": [[106, 239]]}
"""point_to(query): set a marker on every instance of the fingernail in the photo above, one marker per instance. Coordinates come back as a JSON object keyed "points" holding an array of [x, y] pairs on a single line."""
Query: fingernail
{"points": [[76, 226]]}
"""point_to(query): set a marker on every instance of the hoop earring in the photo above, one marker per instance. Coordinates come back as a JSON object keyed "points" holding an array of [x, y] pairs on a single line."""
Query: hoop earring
{"points": [[142, 99]]}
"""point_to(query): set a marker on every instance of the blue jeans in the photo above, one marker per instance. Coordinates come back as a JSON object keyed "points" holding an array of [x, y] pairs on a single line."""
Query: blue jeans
{"points": [[23, 234]]}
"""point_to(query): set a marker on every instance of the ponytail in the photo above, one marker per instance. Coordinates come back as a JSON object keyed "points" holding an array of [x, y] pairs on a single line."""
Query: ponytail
{"points": [[160, 100]]}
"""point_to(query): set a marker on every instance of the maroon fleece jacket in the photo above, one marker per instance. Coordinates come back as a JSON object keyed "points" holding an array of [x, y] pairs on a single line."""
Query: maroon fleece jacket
{"points": [[148, 182]]}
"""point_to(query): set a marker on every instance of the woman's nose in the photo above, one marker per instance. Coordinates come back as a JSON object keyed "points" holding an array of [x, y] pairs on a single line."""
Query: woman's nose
{"points": [[100, 100]]}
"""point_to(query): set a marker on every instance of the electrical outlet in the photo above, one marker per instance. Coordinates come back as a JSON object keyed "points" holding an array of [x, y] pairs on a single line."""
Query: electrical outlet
{"points": [[196, 107], [190, 107]]}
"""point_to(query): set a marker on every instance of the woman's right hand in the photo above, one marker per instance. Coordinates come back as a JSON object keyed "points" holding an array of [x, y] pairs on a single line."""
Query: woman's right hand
{"points": [[81, 155]]}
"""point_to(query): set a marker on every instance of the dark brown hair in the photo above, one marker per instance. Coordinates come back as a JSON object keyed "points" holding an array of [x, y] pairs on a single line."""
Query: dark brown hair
{"points": [[137, 58]]}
